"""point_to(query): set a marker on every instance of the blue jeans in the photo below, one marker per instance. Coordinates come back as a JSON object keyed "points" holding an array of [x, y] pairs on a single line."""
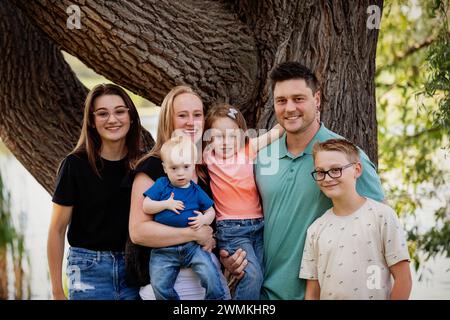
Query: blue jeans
{"points": [[165, 265], [246, 234], [98, 275]]}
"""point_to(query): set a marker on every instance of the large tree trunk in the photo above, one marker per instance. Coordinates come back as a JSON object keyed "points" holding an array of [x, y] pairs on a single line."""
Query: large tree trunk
{"points": [[42, 100], [330, 37], [224, 49], [150, 46], [41, 109]]}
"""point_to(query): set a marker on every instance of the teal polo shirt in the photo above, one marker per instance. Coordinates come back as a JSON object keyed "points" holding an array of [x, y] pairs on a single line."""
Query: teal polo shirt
{"points": [[291, 202]]}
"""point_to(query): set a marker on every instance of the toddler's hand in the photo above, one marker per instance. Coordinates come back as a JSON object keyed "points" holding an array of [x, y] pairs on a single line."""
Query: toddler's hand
{"points": [[174, 205], [198, 221]]}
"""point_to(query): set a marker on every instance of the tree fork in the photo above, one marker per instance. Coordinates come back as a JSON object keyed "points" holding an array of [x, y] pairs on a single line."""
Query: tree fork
{"points": [[42, 100], [148, 48], [224, 49]]}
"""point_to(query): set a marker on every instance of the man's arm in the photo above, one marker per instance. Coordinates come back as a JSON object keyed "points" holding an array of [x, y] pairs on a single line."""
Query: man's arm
{"points": [[369, 183], [402, 280], [267, 138]]}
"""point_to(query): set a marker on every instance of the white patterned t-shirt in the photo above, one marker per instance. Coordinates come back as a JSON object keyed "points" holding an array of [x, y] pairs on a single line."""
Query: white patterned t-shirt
{"points": [[350, 255]]}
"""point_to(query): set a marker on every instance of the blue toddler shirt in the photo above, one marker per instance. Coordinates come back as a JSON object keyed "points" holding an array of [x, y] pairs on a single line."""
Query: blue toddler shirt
{"points": [[193, 197]]}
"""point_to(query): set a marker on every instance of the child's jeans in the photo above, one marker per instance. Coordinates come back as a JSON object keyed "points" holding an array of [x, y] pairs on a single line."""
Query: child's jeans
{"points": [[165, 265], [98, 275], [246, 234]]}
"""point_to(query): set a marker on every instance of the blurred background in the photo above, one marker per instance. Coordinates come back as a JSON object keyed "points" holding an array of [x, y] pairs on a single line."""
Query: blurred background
{"points": [[414, 159]]}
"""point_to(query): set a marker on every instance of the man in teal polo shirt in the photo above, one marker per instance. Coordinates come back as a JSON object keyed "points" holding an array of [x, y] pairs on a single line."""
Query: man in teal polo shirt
{"points": [[290, 197]]}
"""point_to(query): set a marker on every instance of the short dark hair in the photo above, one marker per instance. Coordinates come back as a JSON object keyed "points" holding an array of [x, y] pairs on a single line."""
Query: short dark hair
{"points": [[293, 70]]}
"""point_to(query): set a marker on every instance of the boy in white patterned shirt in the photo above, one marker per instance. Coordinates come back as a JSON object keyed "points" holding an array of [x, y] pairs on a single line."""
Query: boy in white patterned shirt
{"points": [[352, 250]]}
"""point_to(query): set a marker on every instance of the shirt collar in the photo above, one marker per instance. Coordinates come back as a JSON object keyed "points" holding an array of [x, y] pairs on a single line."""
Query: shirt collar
{"points": [[322, 134], [283, 147]]}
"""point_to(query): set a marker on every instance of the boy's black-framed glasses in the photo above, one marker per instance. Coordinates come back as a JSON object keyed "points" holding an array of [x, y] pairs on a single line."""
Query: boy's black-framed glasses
{"points": [[334, 173]]}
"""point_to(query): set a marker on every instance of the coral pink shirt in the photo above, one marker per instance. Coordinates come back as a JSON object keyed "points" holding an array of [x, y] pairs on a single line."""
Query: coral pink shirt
{"points": [[233, 186]]}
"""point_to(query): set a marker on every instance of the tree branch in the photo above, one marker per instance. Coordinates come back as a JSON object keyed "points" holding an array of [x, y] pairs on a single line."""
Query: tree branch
{"points": [[408, 52], [423, 132], [149, 47], [42, 101]]}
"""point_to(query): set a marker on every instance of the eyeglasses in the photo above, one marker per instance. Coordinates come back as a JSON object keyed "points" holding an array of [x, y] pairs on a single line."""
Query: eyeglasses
{"points": [[119, 113], [334, 173]]}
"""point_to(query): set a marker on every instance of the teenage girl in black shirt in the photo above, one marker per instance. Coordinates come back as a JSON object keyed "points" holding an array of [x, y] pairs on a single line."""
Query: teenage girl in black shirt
{"points": [[92, 197]]}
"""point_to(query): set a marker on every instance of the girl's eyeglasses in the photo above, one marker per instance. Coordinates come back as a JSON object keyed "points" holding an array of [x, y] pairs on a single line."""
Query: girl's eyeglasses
{"points": [[119, 113]]}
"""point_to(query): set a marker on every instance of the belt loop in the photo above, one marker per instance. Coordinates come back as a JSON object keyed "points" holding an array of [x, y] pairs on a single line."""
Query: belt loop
{"points": [[98, 256]]}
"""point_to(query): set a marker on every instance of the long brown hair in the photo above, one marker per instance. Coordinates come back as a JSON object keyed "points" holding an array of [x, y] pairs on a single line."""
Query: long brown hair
{"points": [[166, 128], [90, 141]]}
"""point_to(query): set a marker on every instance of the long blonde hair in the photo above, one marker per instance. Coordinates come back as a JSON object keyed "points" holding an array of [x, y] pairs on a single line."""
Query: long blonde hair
{"points": [[166, 127]]}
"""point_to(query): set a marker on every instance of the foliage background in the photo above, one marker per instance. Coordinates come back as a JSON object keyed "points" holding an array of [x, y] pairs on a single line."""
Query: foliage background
{"points": [[413, 83]]}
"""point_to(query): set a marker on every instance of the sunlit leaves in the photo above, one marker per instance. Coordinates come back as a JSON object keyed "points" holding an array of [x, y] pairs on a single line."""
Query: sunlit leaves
{"points": [[413, 63]]}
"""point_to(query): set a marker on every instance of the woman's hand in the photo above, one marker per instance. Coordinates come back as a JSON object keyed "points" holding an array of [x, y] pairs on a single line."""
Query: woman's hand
{"points": [[210, 245], [203, 236], [236, 263]]}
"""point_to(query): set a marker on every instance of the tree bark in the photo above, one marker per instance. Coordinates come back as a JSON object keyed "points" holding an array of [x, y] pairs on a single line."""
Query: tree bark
{"points": [[42, 100], [224, 49], [331, 38], [148, 47]]}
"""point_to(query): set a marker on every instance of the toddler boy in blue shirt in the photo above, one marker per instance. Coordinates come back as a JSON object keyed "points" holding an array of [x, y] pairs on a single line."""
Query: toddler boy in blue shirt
{"points": [[177, 201]]}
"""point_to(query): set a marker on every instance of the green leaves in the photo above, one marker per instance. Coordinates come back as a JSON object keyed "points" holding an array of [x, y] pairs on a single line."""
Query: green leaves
{"points": [[413, 83], [11, 241], [438, 81], [7, 231]]}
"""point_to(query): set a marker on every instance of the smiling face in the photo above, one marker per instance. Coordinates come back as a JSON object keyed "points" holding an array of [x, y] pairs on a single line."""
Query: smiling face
{"points": [[296, 106], [225, 136], [336, 188], [111, 118], [188, 117]]}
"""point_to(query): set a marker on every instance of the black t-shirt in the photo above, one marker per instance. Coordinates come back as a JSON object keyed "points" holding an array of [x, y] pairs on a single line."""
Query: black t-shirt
{"points": [[101, 206]]}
